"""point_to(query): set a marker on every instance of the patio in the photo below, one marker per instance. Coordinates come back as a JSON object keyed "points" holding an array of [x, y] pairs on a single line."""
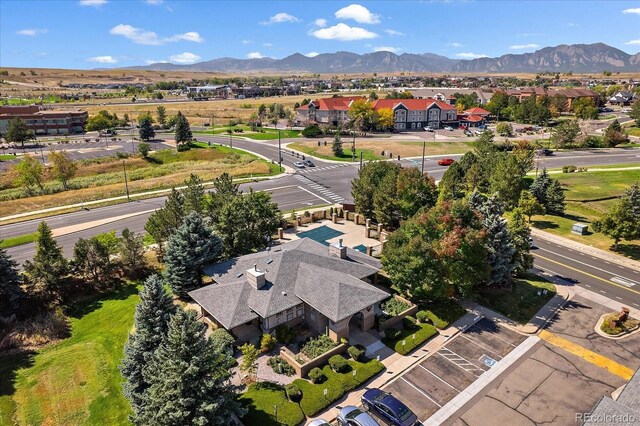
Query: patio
{"points": [[326, 232]]}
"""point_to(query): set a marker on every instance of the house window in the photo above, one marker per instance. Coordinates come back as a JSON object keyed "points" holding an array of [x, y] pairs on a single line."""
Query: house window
{"points": [[279, 317], [289, 314]]}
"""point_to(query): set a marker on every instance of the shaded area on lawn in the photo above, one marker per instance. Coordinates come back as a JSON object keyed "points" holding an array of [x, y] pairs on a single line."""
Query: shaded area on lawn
{"points": [[9, 367]]}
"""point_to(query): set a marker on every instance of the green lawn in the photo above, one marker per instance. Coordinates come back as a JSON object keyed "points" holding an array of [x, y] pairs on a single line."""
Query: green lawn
{"points": [[247, 132], [597, 185], [17, 241], [367, 154], [633, 131], [521, 302], [442, 313], [74, 382], [262, 398], [5, 157]]}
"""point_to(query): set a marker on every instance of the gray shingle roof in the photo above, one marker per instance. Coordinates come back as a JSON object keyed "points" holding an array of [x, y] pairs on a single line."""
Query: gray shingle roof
{"points": [[334, 286], [625, 410], [630, 395]]}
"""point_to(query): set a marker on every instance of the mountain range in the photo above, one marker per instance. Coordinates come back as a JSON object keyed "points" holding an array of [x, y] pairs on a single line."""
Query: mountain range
{"points": [[579, 58]]}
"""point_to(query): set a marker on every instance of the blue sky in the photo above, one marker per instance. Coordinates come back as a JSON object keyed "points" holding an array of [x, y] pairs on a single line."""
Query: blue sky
{"points": [[117, 33]]}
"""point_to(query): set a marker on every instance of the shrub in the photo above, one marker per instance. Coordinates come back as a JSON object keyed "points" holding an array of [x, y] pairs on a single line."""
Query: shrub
{"points": [[316, 347], [143, 149], [311, 131], [122, 154], [184, 147], [267, 343], [280, 366], [422, 316], [394, 306], [316, 375], [591, 141], [569, 169], [392, 333], [441, 313], [409, 323], [293, 392], [338, 363], [285, 334], [356, 353], [422, 333], [222, 340]]}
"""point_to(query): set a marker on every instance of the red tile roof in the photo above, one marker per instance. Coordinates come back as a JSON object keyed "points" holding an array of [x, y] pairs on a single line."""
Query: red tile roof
{"points": [[303, 107], [477, 111], [411, 104], [336, 104], [471, 118]]}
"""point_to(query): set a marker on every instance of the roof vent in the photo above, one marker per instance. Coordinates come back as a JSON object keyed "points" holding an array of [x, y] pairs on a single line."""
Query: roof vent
{"points": [[239, 274], [269, 261], [284, 293]]}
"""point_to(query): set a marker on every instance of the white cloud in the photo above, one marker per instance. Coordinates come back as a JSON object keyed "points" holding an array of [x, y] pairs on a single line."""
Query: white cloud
{"points": [[312, 54], [394, 33], [184, 58], [454, 44], [636, 41], [246, 41], [94, 3], [279, 18], [153, 2], [343, 32], [387, 49], [635, 11], [523, 46], [469, 55], [153, 61], [358, 13], [320, 22], [150, 38], [255, 55], [32, 32], [267, 44], [103, 59]]}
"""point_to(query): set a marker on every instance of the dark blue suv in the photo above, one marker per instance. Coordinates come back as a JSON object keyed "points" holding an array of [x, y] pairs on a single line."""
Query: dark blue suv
{"points": [[388, 408]]}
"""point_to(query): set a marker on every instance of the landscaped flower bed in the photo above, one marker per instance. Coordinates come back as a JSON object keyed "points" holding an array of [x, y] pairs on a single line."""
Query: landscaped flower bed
{"points": [[608, 325], [260, 400], [316, 347], [394, 337]]}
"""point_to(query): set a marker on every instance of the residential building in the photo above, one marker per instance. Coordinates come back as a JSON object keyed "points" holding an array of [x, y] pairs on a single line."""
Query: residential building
{"points": [[473, 117], [303, 281], [44, 121], [622, 98], [446, 93], [571, 94], [330, 111]]}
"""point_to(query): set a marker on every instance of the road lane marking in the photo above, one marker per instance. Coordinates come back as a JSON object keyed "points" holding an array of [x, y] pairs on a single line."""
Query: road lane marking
{"points": [[589, 356], [587, 274], [315, 195], [420, 390], [625, 282], [439, 378]]}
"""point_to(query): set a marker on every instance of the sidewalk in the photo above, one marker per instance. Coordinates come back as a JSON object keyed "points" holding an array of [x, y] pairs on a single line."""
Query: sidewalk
{"points": [[592, 251], [397, 364]]}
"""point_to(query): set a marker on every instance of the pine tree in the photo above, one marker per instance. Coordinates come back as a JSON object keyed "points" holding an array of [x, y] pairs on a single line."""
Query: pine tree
{"points": [[520, 235], [48, 270], [224, 191], [500, 247], [633, 195], [193, 195], [167, 219], [146, 128], [539, 187], [337, 145], [190, 247], [131, 249], [183, 131], [151, 322], [555, 199], [188, 379], [10, 290]]}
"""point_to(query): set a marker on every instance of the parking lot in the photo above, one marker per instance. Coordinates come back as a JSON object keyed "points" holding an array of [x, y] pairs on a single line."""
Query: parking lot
{"points": [[432, 383]]}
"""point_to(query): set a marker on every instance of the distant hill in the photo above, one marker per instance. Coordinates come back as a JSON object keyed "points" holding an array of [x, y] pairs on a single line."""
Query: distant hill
{"points": [[580, 58]]}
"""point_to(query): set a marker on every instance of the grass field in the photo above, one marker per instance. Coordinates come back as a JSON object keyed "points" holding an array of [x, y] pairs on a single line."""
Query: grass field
{"points": [[5, 157], [247, 132], [633, 131], [163, 169], [372, 149], [76, 381], [588, 195], [17, 241]]}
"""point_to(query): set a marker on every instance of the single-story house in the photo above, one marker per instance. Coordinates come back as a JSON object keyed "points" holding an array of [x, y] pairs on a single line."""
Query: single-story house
{"points": [[303, 281], [473, 117], [621, 98]]}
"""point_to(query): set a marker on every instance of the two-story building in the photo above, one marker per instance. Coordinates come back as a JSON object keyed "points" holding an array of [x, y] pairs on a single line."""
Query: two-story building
{"points": [[44, 121], [330, 111]]}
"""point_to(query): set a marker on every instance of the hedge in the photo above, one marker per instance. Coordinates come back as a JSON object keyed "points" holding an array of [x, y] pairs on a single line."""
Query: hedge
{"points": [[259, 400], [337, 384], [443, 312], [423, 333]]}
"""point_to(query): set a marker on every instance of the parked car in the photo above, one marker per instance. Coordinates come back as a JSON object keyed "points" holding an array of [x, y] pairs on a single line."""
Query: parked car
{"points": [[478, 132], [449, 128], [299, 164], [468, 133], [389, 408], [530, 242], [428, 129], [625, 110], [319, 422], [353, 416], [309, 163], [544, 151], [446, 161]]}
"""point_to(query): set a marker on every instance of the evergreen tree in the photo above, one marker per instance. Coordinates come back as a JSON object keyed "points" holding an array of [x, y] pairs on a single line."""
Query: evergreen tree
{"points": [[92, 260], [540, 186], [633, 195], [146, 127], [131, 249], [161, 113], [614, 135], [520, 234], [224, 190], [183, 131], [188, 378], [500, 247], [190, 247], [10, 290], [337, 145], [48, 270], [507, 180], [555, 199], [151, 322], [193, 195], [167, 219]]}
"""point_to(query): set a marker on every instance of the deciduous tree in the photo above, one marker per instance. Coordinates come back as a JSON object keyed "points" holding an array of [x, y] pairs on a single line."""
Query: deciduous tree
{"points": [[361, 114], [91, 260], [618, 223], [29, 174], [161, 114], [18, 132], [63, 167], [529, 206], [635, 112], [385, 119], [614, 135], [565, 134], [131, 250]]}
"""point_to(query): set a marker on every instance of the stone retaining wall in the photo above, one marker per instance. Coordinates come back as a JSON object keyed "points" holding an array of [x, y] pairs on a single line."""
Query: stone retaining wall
{"points": [[303, 369]]}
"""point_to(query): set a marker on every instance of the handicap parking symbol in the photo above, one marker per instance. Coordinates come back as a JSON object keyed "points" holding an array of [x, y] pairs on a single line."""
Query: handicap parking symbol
{"points": [[489, 362]]}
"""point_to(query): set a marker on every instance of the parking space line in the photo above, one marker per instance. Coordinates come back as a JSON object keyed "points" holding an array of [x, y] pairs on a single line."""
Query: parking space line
{"points": [[459, 364], [440, 378], [497, 337], [481, 346], [420, 390]]}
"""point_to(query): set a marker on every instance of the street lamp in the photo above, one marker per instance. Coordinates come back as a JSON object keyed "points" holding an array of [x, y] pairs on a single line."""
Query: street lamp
{"points": [[353, 147], [424, 147], [126, 185], [279, 153]]}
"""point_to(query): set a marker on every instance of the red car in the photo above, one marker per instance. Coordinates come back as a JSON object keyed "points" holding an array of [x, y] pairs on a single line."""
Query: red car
{"points": [[445, 161]]}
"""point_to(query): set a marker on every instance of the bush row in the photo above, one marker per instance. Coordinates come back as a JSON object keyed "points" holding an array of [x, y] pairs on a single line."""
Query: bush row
{"points": [[394, 337]]}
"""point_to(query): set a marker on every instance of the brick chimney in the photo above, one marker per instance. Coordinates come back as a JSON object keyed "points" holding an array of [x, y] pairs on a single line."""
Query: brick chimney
{"points": [[339, 250], [255, 277]]}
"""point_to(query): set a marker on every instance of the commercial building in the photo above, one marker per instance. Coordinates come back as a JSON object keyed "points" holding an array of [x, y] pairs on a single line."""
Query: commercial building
{"points": [[571, 94], [44, 121]]}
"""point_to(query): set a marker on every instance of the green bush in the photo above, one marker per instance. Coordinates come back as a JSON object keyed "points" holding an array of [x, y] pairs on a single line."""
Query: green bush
{"points": [[394, 306], [184, 147], [422, 316], [338, 364], [222, 340], [356, 353], [311, 131], [285, 334], [392, 333], [422, 333], [409, 323], [293, 392], [316, 375], [316, 347], [260, 399], [280, 366], [313, 399], [267, 343], [569, 169]]}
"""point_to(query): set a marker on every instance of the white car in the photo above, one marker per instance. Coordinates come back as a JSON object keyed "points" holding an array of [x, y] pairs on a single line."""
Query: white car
{"points": [[428, 129], [299, 164], [449, 128]]}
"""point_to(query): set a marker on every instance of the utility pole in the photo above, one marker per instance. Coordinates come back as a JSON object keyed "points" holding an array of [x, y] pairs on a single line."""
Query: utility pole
{"points": [[279, 153], [353, 147], [360, 161], [126, 185], [230, 138], [424, 147]]}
